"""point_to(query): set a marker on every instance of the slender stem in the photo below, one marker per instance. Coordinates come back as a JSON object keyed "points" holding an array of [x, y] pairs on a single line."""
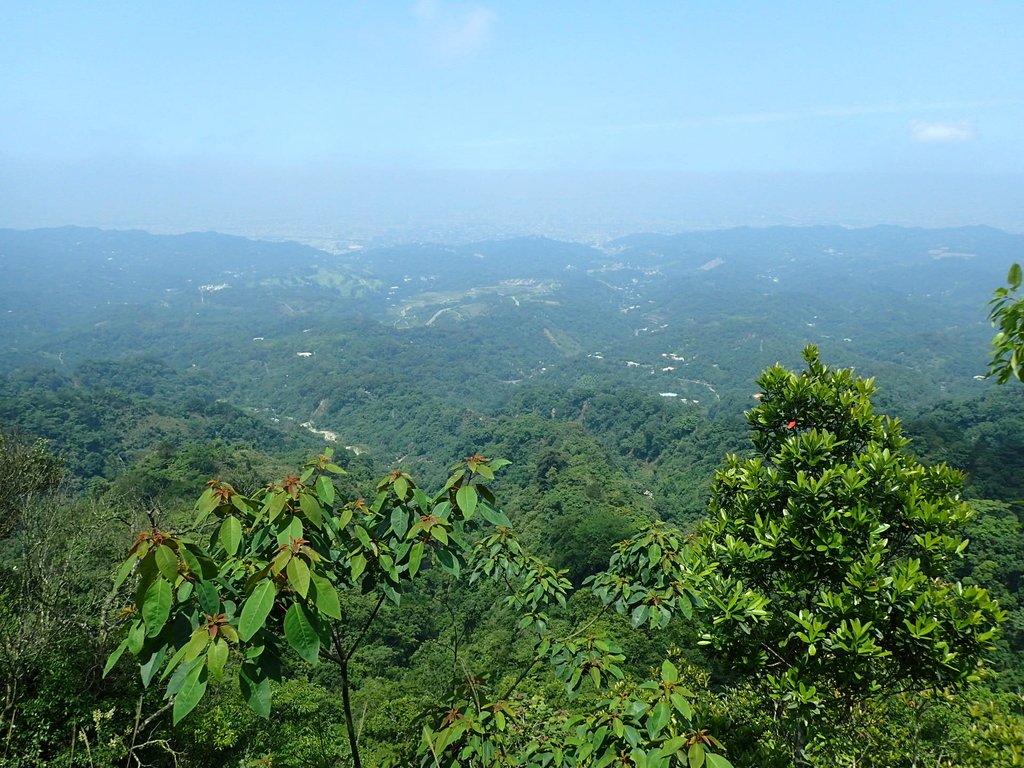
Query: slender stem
{"points": [[353, 739], [366, 627], [155, 715], [589, 624], [522, 676], [135, 728], [533, 662]]}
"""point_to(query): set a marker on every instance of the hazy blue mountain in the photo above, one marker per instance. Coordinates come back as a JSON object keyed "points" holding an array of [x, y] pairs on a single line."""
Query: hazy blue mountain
{"points": [[694, 315]]}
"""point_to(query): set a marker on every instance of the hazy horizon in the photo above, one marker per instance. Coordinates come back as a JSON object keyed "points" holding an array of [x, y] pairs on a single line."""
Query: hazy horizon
{"points": [[452, 120]]}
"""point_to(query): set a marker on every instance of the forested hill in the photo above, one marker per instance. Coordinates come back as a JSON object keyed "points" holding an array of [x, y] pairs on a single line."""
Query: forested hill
{"points": [[389, 349], [713, 307], [614, 378]]}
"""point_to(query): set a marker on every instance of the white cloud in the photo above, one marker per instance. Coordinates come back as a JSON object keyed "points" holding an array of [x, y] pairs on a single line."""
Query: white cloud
{"points": [[454, 32], [921, 130], [942, 133]]}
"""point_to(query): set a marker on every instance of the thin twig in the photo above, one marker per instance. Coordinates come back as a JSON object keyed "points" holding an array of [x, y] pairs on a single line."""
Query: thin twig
{"points": [[366, 627]]}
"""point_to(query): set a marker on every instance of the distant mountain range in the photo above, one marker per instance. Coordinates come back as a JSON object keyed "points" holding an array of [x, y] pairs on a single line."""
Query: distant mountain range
{"points": [[695, 313]]}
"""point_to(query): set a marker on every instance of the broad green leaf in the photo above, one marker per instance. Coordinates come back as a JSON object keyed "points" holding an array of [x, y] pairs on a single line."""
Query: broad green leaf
{"points": [[311, 509], [1014, 277], [191, 692], [466, 498], [357, 564], [178, 678], [280, 561], [654, 554], [448, 561], [288, 528], [112, 659], [717, 761], [298, 575], [167, 562], [672, 745], [325, 490], [172, 665], [422, 501], [438, 533], [452, 480], [401, 487], [277, 503], [494, 516], [685, 606], [156, 606], [239, 502], [400, 521], [344, 518], [184, 591], [217, 657], [206, 504], [669, 673], [255, 688], [124, 570], [640, 614], [256, 609], [197, 643], [325, 597], [136, 637], [230, 534], [681, 705], [415, 556], [148, 667], [363, 536], [658, 718], [209, 600], [301, 634], [195, 563]]}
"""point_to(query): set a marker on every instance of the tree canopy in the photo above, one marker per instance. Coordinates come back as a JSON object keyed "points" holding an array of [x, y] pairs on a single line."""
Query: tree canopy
{"points": [[833, 552]]}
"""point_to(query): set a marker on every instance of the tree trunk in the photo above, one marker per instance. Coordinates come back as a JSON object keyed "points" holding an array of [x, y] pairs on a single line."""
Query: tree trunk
{"points": [[350, 725], [799, 745]]}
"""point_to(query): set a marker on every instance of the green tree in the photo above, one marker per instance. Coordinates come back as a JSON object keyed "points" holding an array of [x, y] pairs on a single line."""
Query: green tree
{"points": [[1006, 311], [282, 572], [26, 471], [832, 551], [273, 571]]}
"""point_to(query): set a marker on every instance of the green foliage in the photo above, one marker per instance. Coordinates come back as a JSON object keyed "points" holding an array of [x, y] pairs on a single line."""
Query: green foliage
{"points": [[832, 552], [649, 723], [53, 579], [268, 580], [1006, 311], [995, 560], [26, 471], [598, 455], [652, 578], [271, 573], [983, 436]]}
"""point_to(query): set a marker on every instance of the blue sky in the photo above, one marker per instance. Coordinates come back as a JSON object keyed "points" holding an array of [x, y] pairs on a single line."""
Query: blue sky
{"points": [[253, 95]]}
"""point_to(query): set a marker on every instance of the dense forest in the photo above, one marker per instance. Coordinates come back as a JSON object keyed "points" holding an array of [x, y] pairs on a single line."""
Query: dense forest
{"points": [[741, 497]]}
